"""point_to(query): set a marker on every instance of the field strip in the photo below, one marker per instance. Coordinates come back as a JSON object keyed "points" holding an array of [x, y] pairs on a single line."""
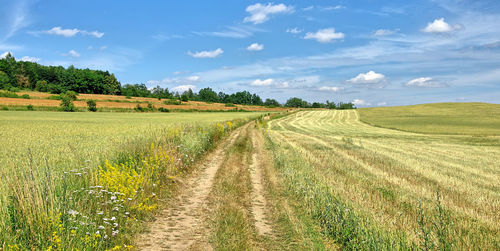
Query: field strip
{"points": [[259, 203], [179, 227]]}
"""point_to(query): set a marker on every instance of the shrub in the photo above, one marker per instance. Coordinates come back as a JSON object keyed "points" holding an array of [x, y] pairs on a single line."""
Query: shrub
{"points": [[172, 102], [30, 107], [26, 96], [139, 108], [67, 101], [230, 105], [5, 108], [161, 109], [92, 105], [128, 97], [8, 94], [151, 107]]}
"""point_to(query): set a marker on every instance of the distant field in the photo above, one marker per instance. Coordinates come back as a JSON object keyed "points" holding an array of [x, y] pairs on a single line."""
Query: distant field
{"points": [[363, 185], [41, 99], [439, 118]]}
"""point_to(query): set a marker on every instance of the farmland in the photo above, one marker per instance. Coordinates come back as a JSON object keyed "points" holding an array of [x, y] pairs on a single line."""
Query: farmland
{"points": [[312, 179], [53, 195], [374, 188], [43, 101]]}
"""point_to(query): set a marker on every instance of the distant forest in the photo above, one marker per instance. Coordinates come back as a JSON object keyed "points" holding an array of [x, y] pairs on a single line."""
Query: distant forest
{"points": [[22, 75]]}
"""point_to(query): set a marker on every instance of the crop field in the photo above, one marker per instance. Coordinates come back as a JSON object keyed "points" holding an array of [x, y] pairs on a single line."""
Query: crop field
{"points": [[42, 99], [369, 187], [80, 180]]}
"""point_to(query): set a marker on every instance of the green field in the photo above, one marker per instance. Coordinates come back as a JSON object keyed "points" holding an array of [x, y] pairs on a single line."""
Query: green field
{"points": [[53, 195], [438, 118], [363, 185]]}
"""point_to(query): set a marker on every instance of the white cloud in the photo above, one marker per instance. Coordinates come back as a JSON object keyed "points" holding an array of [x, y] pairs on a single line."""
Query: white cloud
{"points": [[29, 59], [425, 83], [360, 102], [260, 13], [382, 103], [255, 47], [3, 55], [266, 82], [58, 31], [183, 88], [193, 78], [294, 30], [330, 88], [440, 26], [206, 54], [384, 32], [324, 8], [72, 53], [103, 48], [93, 33], [14, 15], [270, 82], [324, 35], [62, 32], [370, 77]]}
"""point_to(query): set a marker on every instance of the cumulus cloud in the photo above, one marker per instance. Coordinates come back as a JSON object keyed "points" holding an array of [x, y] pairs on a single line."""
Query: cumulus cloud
{"points": [[424, 83], [3, 55], [259, 13], [255, 47], [266, 82], [370, 77], [360, 102], [29, 59], [58, 31], [183, 88], [384, 32], [324, 35], [270, 82], [72, 53], [294, 30], [382, 103], [193, 78], [206, 54], [440, 26], [330, 88], [62, 32]]}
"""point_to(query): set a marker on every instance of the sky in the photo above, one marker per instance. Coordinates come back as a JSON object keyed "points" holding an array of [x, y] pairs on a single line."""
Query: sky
{"points": [[372, 52]]}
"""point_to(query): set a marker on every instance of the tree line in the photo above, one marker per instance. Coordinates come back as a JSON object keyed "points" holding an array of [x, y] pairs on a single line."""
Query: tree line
{"points": [[17, 75]]}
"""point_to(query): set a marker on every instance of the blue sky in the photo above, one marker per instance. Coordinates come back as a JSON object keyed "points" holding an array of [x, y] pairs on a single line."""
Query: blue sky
{"points": [[374, 53]]}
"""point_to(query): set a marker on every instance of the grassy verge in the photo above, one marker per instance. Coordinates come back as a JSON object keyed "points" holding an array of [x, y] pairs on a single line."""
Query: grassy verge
{"points": [[232, 221], [334, 216], [101, 207]]}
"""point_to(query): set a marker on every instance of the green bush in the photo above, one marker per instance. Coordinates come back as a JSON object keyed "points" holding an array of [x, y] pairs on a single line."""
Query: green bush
{"points": [[161, 109], [8, 94], [67, 101], [26, 96], [172, 102], [92, 105], [30, 107], [230, 105]]}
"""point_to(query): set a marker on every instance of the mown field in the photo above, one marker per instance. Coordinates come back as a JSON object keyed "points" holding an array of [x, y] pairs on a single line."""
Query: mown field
{"points": [[82, 180], [374, 188]]}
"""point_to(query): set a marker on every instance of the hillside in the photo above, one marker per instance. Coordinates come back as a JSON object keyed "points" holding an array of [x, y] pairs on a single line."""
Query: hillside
{"points": [[45, 100]]}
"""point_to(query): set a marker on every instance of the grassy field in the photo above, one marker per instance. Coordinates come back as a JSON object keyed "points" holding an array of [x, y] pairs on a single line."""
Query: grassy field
{"points": [[80, 180], [373, 188], [439, 118]]}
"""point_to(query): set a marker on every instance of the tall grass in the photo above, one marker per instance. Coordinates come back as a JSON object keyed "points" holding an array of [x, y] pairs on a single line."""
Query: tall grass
{"points": [[100, 203]]}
